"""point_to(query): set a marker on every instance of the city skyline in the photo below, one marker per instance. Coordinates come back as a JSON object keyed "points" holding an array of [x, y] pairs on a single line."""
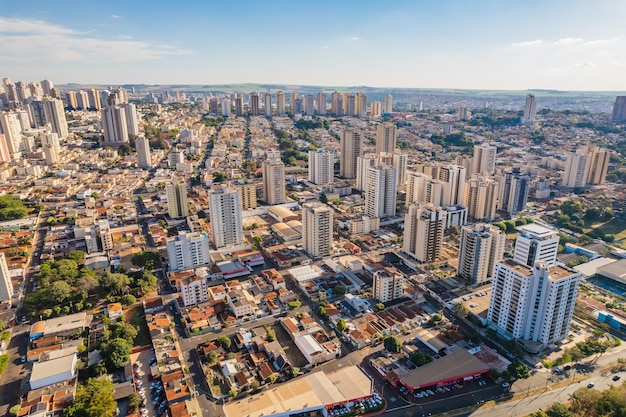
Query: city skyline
{"points": [[466, 45]]}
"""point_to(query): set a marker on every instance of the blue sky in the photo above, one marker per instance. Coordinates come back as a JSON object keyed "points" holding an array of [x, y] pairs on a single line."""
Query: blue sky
{"points": [[486, 44]]}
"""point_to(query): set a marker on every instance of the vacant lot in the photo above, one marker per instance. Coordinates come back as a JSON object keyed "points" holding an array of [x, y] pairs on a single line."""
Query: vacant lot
{"points": [[135, 315], [293, 353]]}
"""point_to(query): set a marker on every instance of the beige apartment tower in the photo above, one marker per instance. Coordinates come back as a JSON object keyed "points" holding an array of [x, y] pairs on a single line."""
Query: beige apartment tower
{"points": [[482, 198], [386, 138], [350, 150], [482, 245], [317, 229], [274, 179], [226, 216], [177, 206], [423, 232], [387, 285]]}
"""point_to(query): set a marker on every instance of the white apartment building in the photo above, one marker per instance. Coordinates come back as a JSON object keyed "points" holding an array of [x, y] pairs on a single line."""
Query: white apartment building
{"points": [[481, 246], [274, 179], [226, 216], [194, 290], [317, 229], [423, 232], [484, 161], [536, 243], [6, 286], [321, 167], [387, 285], [144, 158], [482, 198], [380, 191], [188, 250]]}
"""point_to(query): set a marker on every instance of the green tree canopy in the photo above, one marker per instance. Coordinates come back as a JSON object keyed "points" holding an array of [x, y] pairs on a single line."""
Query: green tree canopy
{"points": [[339, 290], [77, 256], [392, 344], [11, 209], [224, 341], [519, 371], [341, 325], [420, 358], [116, 353], [114, 282], [95, 398], [146, 259]]}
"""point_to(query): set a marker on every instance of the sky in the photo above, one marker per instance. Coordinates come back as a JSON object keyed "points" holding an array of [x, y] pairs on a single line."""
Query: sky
{"points": [[465, 44]]}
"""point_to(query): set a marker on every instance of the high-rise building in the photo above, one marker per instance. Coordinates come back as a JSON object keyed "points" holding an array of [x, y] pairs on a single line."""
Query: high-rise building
{"points": [[6, 286], [37, 113], [254, 106], [5, 155], [484, 161], [481, 246], [94, 99], [103, 228], [239, 105], [530, 110], [465, 114], [598, 165], [400, 162], [482, 198], [226, 216], [336, 104], [47, 87], [321, 104], [177, 206], [51, 147], [386, 138], [82, 99], [144, 159], [363, 163], [247, 190], [514, 189], [321, 167], [619, 109], [10, 124], [71, 99], [309, 105], [536, 243], [423, 232], [387, 285], [576, 169], [350, 150], [132, 121], [280, 103], [360, 104], [376, 108], [380, 191], [24, 119], [296, 103], [267, 98], [23, 92], [188, 250], [349, 104], [226, 106], [114, 125], [213, 105], [453, 178], [274, 180], [317, 229], [55, 115], [388, 104]]}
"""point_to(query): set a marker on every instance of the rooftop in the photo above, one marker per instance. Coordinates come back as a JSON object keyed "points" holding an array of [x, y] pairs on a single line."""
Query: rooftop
{"points": [[537, 231], [457, 364]]}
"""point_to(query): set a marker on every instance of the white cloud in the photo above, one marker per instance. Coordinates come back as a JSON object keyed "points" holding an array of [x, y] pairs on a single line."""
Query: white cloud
{"points": [[599, 42], [114, 16], [569, 41], [53, 43], [585, 64], [325, 47], [528, 43], [354, 38]]}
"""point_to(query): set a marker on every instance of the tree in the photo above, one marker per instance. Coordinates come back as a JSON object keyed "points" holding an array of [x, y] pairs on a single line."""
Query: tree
{"points": [[116, 353], [500, 225], [272, 378], [11, 208], [232, 393], [572, 207], [86, 283], [59, 291], [519, 371], [14, 410], [77, 256], [558, 410], [146, 259], [224, 341], [255, 384], [323, 198], [114, 282], [392, 344], [93, 399], [510, 226], [128, 299], [292, 372], [420, 358], [120, 330], [219, 177], [133, 401], [322, 311], [379, 307], [257, 241], [294, 304], [341, 325], [461, 310], [211, 357], [339, 290]]}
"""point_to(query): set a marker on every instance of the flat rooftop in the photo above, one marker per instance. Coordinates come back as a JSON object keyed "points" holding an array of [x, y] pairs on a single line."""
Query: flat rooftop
{"points": [[524, 269], [458, 364], [536, 230], [317, 389]]}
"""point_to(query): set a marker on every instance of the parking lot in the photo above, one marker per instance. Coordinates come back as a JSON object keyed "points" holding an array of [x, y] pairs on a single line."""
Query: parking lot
{"points": [[150, 398]]}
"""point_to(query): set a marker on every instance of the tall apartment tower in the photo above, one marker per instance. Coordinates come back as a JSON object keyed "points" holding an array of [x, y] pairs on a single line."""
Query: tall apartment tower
{"points": [[350, 150], [381, 189], [254, 107], [619, 109], [453, 178], [114, 124], [274, 180], [598, 165], [226, 106], [5, 156], [576, 169], [481, 246], [387, 285], [484, 161], [363, 163], [321, 167], [309, 105], [188, 250], [386, 138], [530, 110], [6, 286], [10, 124], [423, 232], [239, 104], [360, 105], [388, 104], [94, 99], [321, 104], [226, 216], [514, 189], [268, 104], [247, 190], [177, 206], [295, 103], [280, 103], [47, 87], [482, 198], [55, 115], [132, 121], [144, 159], [536, 243], [51, 147], [317, 229], [376, 108]]}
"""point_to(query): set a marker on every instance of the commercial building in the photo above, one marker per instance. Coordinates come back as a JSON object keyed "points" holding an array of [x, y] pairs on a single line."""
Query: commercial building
{"points": [[615, 271], [177, 206], [481, 246], [311, 395], [423, 232], [53, 371], [317, 229], [387, 285], [321, 167], [274, 179], [226, 216], [188, 250]]}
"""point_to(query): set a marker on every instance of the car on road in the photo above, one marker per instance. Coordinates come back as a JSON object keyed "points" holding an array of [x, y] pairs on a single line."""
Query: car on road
{"points": [[590, 385], [505, 385], [616, 378], [23, 360]]}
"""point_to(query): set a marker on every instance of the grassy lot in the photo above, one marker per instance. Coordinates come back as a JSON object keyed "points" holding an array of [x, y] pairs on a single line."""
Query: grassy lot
{"points": [[615, 227], [135, 315]]}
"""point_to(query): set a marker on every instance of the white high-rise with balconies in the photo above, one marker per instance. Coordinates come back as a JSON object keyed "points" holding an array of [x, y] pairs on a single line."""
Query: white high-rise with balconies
{"points": [[226, 216], [144, 159], [387, 285], [388, 104], [536, 243], [423, 232], [381, 189], [6, 285], [188, 250], [317, 229], [481, 246], [321, 167], [530, 110]]}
